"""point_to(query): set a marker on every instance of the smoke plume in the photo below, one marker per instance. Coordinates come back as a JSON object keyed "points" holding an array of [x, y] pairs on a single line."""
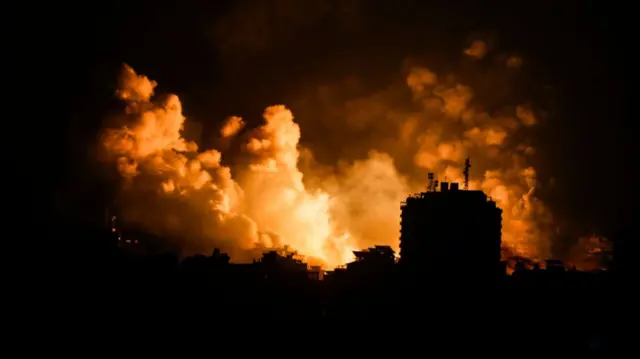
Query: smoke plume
{"points": [[281, 193], [177, 191], [477, 50]]}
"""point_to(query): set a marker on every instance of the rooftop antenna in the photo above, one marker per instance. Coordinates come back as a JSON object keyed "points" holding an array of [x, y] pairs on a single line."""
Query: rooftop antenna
{"points": [[467, 165], [430, 185]]}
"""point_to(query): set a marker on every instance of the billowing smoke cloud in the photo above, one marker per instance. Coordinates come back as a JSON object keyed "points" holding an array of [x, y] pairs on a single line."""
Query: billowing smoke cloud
{"points": [[477, 50], [381, 147], [172, 189], [177, 191], [232, 126], [432, 124]]}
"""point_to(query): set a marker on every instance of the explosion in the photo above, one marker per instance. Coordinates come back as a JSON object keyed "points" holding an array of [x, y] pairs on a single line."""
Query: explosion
{"points": [[272, 207], [178, 191]]}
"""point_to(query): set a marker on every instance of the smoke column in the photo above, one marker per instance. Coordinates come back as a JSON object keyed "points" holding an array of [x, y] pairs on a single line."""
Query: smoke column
{"points": [[177, 191], [281, 196]]}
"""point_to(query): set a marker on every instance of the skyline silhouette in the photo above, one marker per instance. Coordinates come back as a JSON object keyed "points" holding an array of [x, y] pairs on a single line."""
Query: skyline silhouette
{"points": [[430, 162]]}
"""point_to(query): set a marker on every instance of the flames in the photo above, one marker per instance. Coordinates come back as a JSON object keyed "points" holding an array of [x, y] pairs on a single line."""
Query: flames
{"points": [[175, 189], [271, 208]]}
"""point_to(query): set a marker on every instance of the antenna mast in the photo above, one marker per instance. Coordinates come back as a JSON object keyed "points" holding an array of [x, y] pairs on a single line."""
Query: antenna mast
{"points": [[430, 185], [467, 165]]}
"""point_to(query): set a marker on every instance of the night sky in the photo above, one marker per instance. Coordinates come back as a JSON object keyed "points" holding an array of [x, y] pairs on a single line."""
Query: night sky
{"points": [[224, 58]]}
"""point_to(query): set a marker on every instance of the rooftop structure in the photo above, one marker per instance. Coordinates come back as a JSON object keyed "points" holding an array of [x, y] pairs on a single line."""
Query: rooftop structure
{"points": [[446, 230]]}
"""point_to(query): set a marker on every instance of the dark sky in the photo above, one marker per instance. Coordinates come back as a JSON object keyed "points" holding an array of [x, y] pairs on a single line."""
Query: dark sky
{"points": [[225, 57]]}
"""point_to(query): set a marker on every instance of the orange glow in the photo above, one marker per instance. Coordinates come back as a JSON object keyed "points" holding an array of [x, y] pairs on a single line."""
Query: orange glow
{"points": [[590, 253], [267, 202]]}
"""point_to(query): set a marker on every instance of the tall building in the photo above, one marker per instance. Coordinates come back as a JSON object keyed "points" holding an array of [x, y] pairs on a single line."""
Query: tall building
{"points": [[451, 231]]}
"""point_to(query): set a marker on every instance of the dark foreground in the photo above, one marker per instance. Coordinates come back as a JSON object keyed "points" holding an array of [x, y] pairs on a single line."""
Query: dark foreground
{"points": [[562, 310]]}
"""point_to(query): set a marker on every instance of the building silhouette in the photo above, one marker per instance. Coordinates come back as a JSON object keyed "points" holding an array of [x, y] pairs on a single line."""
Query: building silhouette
{"points": [[376, 256], [451, 232]]}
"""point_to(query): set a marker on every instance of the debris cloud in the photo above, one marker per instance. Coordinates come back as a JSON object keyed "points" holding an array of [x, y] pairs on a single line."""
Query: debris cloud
{"points": [[477, 50], [279, 194], [177, 191]]}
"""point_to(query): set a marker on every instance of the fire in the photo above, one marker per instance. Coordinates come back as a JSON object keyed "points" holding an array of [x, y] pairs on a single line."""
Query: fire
{"points": [[269, 202], [279, 201], [266, 201]]}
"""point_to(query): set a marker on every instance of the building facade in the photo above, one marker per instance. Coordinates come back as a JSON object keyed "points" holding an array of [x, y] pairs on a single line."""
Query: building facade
{"points": [[449, 231]]}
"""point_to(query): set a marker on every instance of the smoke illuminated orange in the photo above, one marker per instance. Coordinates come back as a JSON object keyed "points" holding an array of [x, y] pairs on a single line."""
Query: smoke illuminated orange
{"points": [[267, 202]]}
